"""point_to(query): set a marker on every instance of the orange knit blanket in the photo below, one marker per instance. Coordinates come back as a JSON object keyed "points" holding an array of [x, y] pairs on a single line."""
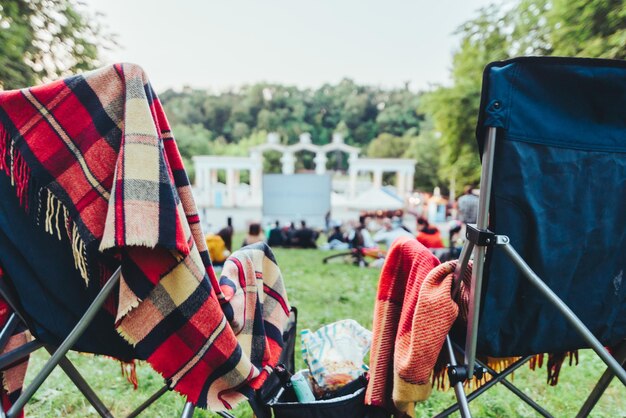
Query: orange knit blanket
{"points": [[413, 313]]}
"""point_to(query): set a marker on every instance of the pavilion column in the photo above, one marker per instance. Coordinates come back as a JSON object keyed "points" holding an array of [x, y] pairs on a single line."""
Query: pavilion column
{"points": [[202, 182], [256, 176], [353, 177], [320, 163], [401, 187], [409, 181], [378, 178], [288, 162], [211, 181], [256, 180], [199, 181], [231, 199]]}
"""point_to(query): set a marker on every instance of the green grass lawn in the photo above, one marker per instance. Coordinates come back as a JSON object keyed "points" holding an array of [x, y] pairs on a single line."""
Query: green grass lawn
{"points": [[323, 294]]}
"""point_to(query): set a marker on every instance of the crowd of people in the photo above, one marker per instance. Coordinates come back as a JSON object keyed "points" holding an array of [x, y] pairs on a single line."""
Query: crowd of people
{"points": [[220, 244], [373, 232], [290, 236]]}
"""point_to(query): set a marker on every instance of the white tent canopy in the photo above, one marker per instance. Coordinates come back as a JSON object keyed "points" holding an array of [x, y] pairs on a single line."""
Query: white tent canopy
{"points": [[375, 199]]}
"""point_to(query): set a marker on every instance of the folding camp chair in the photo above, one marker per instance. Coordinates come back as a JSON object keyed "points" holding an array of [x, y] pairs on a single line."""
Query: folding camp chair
{"points": [[549, 246], [354, 256], [262, 397], [82, 325], [57, 327]]}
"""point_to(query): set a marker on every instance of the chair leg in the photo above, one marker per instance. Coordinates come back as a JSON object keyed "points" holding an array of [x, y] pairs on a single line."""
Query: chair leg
{"points": [[65, 346], [188, 410], [7, 330], [603, 383], [462, 403], [330, 257], [501, 378], [149, 401], [83, 386], [17, 355], [498, 378]]}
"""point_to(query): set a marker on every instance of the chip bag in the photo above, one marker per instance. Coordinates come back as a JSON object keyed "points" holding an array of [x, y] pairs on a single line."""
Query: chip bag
{"points": [[335, 352]]}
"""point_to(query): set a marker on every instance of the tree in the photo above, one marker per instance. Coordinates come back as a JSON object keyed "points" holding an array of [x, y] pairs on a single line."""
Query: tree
{"points": [[388, 146], [454, 109], [44, 39], [595, 28], [425, 148], [192, 140], [590, 28]]}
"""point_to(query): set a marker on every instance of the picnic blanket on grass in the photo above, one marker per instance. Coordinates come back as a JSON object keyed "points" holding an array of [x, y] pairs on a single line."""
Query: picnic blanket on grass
{"points": [[92, 160]]}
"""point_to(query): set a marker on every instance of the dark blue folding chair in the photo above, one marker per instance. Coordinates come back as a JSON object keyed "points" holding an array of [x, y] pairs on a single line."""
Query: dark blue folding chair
{"points": [[549, 246]]}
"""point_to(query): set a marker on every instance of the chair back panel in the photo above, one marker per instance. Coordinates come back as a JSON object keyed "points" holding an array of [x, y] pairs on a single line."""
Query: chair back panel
{"points": [[49, 288], [559, 193]]}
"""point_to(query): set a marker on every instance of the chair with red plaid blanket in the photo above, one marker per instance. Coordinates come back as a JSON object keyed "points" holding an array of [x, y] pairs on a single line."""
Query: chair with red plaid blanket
{"points": [[101, 250]]}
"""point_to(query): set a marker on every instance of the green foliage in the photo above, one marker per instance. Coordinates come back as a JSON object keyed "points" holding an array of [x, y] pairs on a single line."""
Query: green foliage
{"points": [[43, 39], [388, 146], [360, 112], [425, 148], [384, 122], [590, 28], [594, 28]]}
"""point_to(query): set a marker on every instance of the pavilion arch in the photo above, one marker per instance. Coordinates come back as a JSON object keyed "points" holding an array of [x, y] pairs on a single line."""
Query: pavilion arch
{"points": [[337, 144]]}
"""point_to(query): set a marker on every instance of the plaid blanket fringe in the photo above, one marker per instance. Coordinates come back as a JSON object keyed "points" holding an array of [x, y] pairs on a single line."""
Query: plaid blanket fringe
{"points": [[92, 157]]}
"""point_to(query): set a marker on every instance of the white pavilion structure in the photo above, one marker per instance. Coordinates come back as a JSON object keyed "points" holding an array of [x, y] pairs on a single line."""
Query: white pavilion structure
{"points": [[207, 167]]}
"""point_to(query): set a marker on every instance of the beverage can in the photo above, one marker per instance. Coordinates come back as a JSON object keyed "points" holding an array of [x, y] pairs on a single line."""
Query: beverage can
{"points": [[302, 388]]}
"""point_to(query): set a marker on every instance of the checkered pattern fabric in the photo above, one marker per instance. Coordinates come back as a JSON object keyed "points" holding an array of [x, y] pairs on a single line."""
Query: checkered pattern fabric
{"points": [[92, 156], [254, 300]]}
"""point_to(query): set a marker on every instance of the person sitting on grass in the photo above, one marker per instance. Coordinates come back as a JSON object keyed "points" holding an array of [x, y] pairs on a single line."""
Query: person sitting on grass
{"points": [[226, 234], [337, 235], [428, 235], [391, 230], [217, 249], [305, 237], [276, 236], [336, 240], [254, 235]]}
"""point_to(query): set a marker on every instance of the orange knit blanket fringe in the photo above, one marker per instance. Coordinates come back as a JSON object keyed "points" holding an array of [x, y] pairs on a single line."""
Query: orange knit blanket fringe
{"points": [[441, 382]]}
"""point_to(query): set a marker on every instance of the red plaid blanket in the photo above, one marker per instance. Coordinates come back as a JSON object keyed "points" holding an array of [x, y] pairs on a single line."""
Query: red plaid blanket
{"points": [[92, 156]]}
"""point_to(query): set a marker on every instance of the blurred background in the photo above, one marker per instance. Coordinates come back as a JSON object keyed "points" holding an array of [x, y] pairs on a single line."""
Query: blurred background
{"points": [[393, 80]]}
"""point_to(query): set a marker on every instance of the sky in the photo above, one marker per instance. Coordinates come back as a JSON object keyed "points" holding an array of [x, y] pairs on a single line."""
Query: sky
{"points": [[218, 45]]}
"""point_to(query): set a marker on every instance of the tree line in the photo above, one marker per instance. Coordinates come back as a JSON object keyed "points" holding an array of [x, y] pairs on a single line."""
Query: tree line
{"points": [[41, 39]]}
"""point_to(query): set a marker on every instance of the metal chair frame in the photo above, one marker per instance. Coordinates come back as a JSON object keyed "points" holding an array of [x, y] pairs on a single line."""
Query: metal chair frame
{"points": [[479, 238], [58, 356]]}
